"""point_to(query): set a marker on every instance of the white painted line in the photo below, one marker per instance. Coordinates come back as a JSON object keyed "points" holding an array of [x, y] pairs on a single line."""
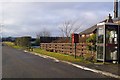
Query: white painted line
{"points": [[93, 70], [57, 61], [25, 51], [78, 66]]}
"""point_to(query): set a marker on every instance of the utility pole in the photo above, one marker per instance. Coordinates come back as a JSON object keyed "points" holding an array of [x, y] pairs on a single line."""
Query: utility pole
{"points": [[115, 8]]}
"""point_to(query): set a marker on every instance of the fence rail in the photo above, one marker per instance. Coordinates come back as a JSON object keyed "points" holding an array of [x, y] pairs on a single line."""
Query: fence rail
{"points": [[67, 48]]}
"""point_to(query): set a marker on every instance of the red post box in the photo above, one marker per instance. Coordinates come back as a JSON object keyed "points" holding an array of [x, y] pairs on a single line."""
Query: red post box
{"points": [[75, 38]]}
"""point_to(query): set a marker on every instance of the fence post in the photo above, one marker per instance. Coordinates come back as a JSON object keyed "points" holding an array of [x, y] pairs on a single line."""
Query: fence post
{"points": [[75, 50]]}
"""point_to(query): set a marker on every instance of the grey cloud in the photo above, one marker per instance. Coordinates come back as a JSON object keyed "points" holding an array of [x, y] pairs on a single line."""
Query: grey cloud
{"points": [[29, 18]]}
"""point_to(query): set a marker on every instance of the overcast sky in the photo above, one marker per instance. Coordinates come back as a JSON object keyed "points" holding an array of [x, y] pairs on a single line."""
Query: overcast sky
{"points": [[29, 18]]}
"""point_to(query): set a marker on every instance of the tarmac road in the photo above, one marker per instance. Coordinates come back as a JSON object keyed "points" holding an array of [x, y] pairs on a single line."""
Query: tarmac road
{"points": [[18, 64]]}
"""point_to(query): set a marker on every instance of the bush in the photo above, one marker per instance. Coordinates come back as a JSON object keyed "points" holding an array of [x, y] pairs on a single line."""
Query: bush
{"points": [[89, 57], [92, 47], [92, 39], [23, 41]]}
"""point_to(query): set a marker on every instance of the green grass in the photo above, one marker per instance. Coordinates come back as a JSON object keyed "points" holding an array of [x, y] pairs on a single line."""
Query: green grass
{"points": [[9, 43], [18, 47], [13, 45], [60, 56]]}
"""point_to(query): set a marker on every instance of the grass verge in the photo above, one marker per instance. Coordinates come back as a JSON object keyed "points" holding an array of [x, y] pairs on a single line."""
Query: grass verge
{"points": [[59, 56], [12, 45]]}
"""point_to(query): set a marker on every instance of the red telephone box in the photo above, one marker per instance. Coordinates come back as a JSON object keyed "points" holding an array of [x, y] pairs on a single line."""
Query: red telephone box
{"points": [[75, 38]]}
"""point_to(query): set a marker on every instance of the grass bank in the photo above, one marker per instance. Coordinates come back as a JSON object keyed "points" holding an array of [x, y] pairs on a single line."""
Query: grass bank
{"points": [[59, 56], [11, 44]]}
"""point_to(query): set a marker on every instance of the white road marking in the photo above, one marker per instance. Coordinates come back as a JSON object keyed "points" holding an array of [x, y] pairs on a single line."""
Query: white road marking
{"points": [[78, 66]]}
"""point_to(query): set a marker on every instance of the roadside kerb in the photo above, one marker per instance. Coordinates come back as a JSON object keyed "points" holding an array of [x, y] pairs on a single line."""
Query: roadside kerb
{"points": [[78, 66]]}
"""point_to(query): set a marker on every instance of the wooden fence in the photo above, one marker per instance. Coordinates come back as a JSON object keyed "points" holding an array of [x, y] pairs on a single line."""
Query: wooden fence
{"points": [[67, 48]]}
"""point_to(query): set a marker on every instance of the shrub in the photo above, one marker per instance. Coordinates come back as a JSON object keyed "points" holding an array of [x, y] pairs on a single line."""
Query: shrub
{"points": [[23, 41], [92, 39], [91, 47]]}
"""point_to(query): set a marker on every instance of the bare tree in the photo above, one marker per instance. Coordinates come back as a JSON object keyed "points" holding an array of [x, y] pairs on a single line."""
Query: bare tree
{"points": [[44, 33], [69, 27]]}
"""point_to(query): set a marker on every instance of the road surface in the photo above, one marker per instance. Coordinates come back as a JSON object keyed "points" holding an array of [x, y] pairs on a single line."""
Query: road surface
{"points": [[18, 64]]}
